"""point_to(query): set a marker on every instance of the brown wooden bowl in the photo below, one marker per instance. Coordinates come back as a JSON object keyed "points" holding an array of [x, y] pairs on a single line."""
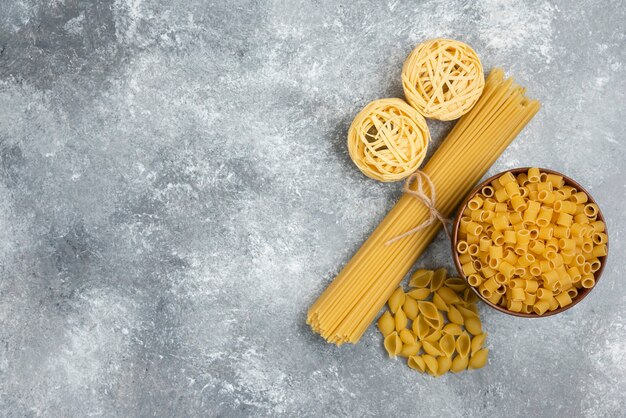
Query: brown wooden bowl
{"points": [[582, 292]]}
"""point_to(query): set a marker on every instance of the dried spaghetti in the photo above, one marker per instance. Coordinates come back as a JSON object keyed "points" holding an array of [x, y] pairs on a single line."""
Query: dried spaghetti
{"points": [[350, 303]]}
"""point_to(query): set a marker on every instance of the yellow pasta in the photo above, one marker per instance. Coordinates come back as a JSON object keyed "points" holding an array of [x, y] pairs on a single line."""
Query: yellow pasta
{"points": [[473, 326], [479, 359], [401, 320], [393, 344], [443, 78], [438, 278], [431, 348], [386, 324], [420, 327], [522, 179], [534, 175], [409, 350], [352, 301], [435, 327], [434, 337], [431, 364], [541, 306], [444, 363], [459, 363], [588, 282], [455, 316], [456, 283], [563, 299], [388, 140], [463, 344], [448, 295], [477, 342], [517, 294], [452, 329], [410, 307], [421, 278], [428, 309], [417, 363], [440, 303], [545, 243], [419, 294], [514, 305], [599, 238], [466, 313], [396, 300], [475, 203], [462, 247], [436, 322], [407, 336]]}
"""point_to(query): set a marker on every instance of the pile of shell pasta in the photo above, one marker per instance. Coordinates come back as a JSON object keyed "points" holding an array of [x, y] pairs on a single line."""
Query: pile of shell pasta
{"points": [[529, 242], [434, 320]]}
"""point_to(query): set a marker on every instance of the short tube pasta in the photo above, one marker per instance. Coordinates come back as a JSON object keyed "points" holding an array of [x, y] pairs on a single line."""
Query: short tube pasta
{"points": [[539, 245]]}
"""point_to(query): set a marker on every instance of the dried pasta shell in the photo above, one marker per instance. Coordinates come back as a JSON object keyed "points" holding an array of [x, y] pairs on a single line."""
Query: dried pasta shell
{"points": [[393, 344], [455, 316], [478, 342], [455, 283], [428, 309], [448, 295], [431, 364], [447, 345], [407, 337], [443, 365], [459, 363], [473, 326], [416, 363], [434, 336], [479, 359], [463, 344], [421, 278], [466, 313], [396, 300], [469, 296], [386, 324], [472, 307], [431, 348], [409, 350], [419, 294], [410, 307], [401, 320], [452, 329], [440, 303], [435, 323], [438, 278], [421, 327]]}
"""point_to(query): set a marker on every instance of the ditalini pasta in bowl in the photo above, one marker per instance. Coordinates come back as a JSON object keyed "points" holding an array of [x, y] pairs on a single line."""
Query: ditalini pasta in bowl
{"points": [[530, 242]]}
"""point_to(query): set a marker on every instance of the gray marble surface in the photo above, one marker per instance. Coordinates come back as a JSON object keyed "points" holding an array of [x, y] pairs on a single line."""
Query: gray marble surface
{"points": [[175, 191]]}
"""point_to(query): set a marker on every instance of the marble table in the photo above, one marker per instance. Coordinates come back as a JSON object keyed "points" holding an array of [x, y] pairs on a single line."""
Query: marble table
{"points": [[175, 191]]}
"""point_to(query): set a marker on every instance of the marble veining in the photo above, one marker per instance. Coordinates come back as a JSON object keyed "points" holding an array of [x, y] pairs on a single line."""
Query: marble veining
{"points": [[175, 191]]}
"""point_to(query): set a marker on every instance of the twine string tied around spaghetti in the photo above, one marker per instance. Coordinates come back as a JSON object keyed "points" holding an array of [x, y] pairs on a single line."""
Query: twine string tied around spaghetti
{"points": [[428, 197]]}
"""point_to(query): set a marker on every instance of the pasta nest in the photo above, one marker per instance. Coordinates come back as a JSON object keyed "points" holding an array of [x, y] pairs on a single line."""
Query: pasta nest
{"points": [[443, 79], [388, 140]]}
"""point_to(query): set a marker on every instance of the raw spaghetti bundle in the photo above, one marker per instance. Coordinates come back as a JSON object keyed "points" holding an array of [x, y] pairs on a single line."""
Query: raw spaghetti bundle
{"points": [[442, 79], [350, 303], [388, 140]]}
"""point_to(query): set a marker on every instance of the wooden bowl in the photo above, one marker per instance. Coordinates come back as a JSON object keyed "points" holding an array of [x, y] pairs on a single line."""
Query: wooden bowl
{"points": [[582, 293]]}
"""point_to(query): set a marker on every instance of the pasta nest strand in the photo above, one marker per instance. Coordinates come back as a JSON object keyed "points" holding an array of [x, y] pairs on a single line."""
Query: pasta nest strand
{"points": [[388, 140], [443, 79]]}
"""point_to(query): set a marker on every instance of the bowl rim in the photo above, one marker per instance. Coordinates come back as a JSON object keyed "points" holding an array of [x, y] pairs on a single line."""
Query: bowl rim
{"points": [[515, 171]]}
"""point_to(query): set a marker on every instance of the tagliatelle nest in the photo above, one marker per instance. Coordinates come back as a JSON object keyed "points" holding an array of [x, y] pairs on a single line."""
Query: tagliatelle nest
{"points": [[388, 140], [443, 79]]}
